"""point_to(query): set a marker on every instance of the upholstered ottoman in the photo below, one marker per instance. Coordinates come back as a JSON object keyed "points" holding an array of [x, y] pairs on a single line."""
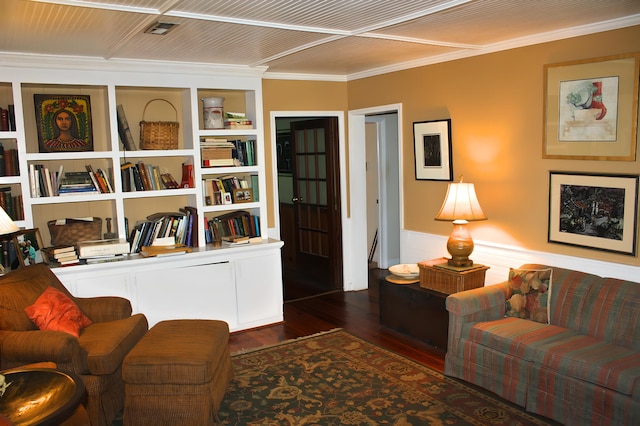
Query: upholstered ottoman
{"points": [[177, 374]]}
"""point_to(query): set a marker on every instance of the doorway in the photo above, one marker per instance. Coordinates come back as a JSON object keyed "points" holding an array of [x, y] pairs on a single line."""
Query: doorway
{"points": [[307, 157]]}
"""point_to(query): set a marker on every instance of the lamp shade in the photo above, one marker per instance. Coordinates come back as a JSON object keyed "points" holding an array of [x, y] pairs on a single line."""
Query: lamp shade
{"points": [[461, 203], [7, 226]]}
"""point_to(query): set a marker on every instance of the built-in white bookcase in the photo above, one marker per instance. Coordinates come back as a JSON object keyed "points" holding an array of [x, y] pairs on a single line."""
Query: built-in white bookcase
{"points": [[132, 85]]}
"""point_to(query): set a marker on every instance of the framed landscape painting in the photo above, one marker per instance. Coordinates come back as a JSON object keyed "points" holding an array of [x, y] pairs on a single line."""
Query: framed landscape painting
{"points": [[432, 149], [594, 210], [64, 123]]}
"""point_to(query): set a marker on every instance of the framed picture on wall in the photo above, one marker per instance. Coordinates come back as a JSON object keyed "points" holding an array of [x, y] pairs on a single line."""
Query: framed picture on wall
{"points": [[596, 211], [432, 148], [591, 109], [64, 123]]}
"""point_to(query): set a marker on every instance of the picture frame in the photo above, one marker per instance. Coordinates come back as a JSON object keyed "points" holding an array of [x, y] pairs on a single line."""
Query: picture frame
{"points": [[591, 109], [596, 211], [64, 123], [28, 245], [243, 195], [432, 149]]}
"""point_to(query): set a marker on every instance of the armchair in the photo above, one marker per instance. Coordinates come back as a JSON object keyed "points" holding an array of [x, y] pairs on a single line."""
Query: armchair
{"points": [[96, 355]]}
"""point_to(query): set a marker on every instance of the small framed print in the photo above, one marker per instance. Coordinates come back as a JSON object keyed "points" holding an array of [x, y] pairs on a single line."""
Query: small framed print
{"points": [[432, 147], [596, 211], [64, 123], [243, 195], [227, 198], [28, 245]]}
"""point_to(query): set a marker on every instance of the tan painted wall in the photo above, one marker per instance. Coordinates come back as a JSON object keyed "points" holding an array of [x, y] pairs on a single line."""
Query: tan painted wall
{"points": [[495, 102], [286, 95]]}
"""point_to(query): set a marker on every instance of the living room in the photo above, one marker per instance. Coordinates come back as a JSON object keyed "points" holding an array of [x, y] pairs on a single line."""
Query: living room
{"points": [[496, 104]]}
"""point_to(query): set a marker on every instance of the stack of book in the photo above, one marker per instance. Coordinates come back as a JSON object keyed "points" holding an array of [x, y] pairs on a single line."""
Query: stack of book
{"points": [[217, 152], [62, 255], [73, 183], [237, 120], [94, 251], [234, 226]]}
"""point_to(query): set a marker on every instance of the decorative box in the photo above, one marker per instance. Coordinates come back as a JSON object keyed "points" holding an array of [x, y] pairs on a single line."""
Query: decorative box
{"points": [[437, 275]]}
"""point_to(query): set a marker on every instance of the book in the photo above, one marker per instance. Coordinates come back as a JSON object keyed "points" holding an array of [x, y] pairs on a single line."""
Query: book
{"points": [[126, 137], [153, 251], [93, 248]]}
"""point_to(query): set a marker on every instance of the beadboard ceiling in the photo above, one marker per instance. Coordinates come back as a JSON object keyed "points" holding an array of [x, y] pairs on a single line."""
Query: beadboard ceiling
{"points": [[339, 39]]}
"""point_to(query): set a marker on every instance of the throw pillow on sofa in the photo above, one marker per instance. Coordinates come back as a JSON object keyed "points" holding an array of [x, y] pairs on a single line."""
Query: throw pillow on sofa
{"points": [[53, 310], [529, 294]]}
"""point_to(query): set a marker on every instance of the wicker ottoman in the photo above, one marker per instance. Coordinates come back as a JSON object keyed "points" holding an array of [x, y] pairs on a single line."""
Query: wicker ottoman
{"points": [[177, 374]]}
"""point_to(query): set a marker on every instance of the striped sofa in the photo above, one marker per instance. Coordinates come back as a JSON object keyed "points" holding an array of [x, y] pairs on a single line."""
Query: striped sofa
{"points": [[581, 368]]}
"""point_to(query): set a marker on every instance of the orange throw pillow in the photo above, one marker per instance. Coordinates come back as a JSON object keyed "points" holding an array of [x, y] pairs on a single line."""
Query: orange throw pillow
{"points": [[53, 310]]}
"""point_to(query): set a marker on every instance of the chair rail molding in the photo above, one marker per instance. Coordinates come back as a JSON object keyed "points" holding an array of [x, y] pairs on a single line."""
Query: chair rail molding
{"points": [[417, 246]]}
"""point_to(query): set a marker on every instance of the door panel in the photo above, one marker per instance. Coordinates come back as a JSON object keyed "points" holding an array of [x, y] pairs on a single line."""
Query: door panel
{"points": [[316, 200]]}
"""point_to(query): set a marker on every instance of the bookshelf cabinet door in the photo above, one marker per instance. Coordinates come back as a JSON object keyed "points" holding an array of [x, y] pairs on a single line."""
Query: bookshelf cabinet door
{"points": [[203, 291], [259, 289]]}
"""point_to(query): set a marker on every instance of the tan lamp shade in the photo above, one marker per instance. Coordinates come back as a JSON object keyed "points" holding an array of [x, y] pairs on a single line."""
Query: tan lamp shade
{"points": [[460, 206], [7, 226]]}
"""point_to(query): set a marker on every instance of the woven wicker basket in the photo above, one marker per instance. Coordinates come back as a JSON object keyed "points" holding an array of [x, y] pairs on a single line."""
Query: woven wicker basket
{"points": [[159, 134], [73, 231]]}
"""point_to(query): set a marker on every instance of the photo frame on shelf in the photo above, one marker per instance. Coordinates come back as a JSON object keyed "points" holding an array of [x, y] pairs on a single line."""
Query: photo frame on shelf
{"points": [[432, 149], [243, 195], [64, 123], [596, 211], [591, 109], [28, 245]]}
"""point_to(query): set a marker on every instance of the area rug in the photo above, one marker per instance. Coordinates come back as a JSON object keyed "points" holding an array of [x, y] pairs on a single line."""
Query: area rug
{"points": [[335, 378]]}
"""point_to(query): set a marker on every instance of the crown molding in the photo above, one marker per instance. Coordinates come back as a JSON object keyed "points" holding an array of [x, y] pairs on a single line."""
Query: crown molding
{"points": [[85, 63]]}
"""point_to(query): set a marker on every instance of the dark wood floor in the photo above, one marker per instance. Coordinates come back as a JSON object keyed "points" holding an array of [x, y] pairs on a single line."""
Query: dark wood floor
{"points": [[356, 312]]}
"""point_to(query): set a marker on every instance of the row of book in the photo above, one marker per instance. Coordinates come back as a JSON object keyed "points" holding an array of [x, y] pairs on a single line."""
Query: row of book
{"points": [[52, 183], [181, 227], [12, 204], [232, 227], [220, 152], [145, 177], [9, 165], [7, 119]]}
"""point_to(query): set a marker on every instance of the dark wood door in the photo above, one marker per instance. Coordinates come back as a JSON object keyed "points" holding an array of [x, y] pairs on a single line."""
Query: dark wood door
{"points": [[314, 260]]}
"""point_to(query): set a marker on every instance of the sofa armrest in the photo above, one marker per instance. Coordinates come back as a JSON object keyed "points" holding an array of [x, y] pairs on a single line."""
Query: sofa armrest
{"points": [[480, 304], [106, 308], [25, 347]]}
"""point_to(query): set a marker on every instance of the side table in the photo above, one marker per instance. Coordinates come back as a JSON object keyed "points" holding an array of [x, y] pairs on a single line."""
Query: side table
{"points": [[417, 312]]}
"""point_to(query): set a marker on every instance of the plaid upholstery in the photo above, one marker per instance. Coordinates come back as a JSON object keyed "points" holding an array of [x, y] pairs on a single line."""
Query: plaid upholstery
{"points": [[583, 367]]}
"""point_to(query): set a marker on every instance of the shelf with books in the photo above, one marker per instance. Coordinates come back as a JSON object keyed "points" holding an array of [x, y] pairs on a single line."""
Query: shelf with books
{"points": [[7, 109], [140, 174], [49, 179], [9, 163]]}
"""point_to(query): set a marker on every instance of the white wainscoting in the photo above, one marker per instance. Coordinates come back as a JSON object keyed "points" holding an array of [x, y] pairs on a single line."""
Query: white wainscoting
{"points": [[416, 246]]}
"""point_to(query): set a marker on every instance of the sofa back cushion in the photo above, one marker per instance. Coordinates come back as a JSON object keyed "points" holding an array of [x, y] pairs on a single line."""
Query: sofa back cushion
{"points": [[605, 308], [21, 288]]}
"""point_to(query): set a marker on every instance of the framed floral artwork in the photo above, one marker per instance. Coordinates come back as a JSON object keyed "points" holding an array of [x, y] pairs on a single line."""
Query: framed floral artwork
{"points": [[591, 109], [596, 211], [64, 123]]}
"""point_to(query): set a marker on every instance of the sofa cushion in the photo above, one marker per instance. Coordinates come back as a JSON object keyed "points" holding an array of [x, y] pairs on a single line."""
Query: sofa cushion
{"points": [[53, 310], [529, 294], [592, 360], [604, 308], [107, 343], [514, 336]]}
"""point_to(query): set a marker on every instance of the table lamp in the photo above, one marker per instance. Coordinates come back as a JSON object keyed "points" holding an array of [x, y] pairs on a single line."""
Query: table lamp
{"points": [[7, 227], [461, 206]]}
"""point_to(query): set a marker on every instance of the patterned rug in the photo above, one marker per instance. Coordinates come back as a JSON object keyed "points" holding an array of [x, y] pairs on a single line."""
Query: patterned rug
{"points": [[335, 378]]}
